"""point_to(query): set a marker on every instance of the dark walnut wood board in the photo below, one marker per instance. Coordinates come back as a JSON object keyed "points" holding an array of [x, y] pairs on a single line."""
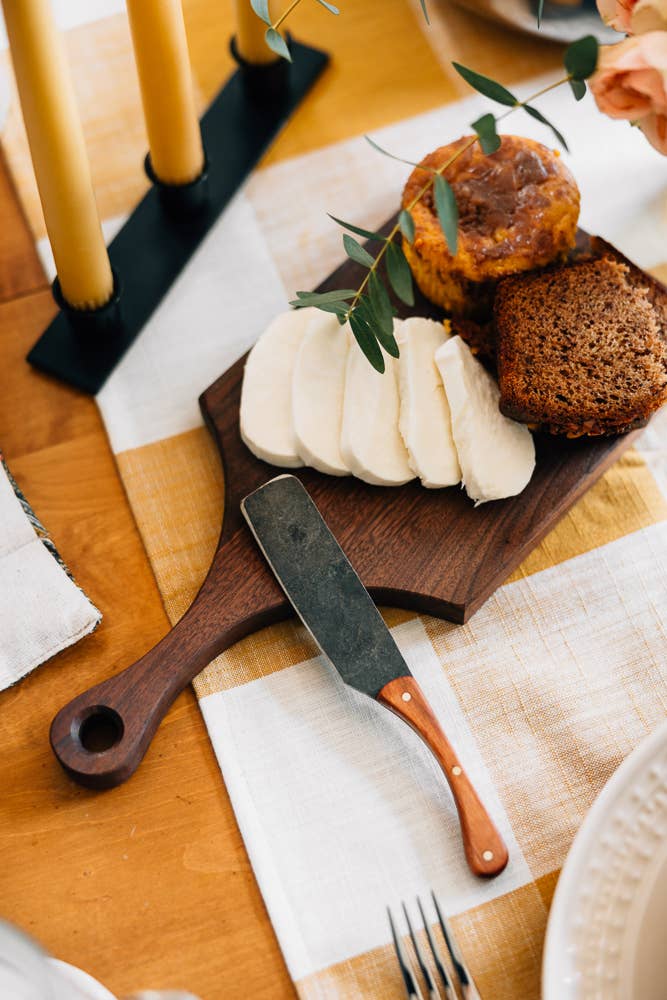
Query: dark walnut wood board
{"points": [[430, 551]]}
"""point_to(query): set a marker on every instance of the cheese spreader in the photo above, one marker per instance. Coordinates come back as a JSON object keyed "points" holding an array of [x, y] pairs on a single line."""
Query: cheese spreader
{"points": [[338, 611]]}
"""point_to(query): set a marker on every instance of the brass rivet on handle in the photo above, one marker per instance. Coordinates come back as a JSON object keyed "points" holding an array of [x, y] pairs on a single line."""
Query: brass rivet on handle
{"points": [[406, 696], [456, 770], [488, 855]]}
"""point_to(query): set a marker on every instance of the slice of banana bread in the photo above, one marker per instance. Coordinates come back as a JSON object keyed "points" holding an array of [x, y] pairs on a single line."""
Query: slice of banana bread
{"points": [[655, 290], [579, 350]]}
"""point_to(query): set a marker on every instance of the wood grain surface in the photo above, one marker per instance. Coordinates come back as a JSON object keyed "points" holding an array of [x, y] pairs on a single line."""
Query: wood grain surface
{"points": [[149, 885]]}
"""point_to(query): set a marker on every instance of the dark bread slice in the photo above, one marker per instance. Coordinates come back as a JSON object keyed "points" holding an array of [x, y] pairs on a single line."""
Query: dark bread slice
{"points": [[579, 350], [655, 290]]}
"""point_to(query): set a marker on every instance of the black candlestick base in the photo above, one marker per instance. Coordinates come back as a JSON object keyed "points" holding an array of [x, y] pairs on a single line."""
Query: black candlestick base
{"points": [[83, 347]]}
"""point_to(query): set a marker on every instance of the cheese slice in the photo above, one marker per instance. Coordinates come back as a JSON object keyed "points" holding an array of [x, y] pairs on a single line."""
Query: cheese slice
{"points": [[318, 386], [497, 455], [266, 422], [370, 441], [425, 422]]}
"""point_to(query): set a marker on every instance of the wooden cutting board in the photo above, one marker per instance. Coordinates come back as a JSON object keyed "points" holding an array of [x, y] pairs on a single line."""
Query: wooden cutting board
{"points": [[432, 551]]}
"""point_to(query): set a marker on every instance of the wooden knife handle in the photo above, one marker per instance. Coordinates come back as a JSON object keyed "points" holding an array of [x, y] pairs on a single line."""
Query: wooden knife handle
{"points": [[484, 847]]}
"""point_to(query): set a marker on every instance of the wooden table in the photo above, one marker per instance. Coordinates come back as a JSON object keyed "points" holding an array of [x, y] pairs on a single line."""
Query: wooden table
{"points": [[149, 884]]}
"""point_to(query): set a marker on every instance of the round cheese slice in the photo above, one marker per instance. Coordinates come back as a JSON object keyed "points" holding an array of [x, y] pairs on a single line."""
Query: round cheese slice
{"points": [[425, 422], [497, 455], [318, 386], [266, 422], [370, 441]]}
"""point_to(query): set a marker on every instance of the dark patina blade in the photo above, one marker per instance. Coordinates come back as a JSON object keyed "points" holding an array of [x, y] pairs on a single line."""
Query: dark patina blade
{"points": [[322, 586]]}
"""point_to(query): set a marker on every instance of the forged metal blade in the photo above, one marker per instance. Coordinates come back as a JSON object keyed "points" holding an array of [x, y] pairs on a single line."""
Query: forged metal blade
{"points": [[322, 586]]}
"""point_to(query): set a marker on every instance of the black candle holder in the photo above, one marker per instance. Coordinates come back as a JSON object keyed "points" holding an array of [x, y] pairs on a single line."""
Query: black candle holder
{"points": [[82, 347]]}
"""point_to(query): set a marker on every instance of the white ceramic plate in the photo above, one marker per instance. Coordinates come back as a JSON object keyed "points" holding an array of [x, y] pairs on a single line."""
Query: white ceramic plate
{"points": [[559, 23], [606, 933]]}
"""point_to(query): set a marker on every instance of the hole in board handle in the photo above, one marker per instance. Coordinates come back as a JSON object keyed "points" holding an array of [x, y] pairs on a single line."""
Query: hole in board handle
{"points": [[100, 730]]}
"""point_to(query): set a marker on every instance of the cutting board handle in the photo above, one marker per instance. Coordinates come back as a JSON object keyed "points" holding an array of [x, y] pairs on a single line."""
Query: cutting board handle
{"points": [[484, 847], [101, 736]]}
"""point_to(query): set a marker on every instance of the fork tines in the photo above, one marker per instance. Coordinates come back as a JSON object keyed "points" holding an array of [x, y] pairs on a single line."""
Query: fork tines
{"points": [[410, 978]]}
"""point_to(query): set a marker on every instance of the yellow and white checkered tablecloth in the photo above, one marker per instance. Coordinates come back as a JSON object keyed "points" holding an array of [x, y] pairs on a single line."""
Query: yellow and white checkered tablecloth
{"points": [[549, 686]]}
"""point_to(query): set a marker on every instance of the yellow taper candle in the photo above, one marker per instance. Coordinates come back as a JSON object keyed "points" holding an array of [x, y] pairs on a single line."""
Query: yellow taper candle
{"points": [[165, 77], [58, 152], [250, 31]]}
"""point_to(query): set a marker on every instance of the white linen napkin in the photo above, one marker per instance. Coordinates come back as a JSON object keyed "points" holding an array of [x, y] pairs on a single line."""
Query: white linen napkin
{"points": [[42, 611]]}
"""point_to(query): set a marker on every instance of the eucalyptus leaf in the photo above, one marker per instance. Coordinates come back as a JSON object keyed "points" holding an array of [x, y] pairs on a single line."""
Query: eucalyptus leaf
{"points": [[316, 298], [385, 152], [261, 8], [538, 116], [578, 88], [381, 303], [339, 309], [380, 323], [423, 3], [407, 225], [581, 57], [540, 12], [366, 233], [277, 44], [356, 252], [485, 127], [485, 85], [329, 6], [399, 274], [448, 213], [367, 342]]}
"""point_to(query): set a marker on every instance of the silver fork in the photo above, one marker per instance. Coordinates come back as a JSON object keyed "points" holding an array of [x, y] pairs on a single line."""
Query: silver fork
{"points": [[468, 989]]}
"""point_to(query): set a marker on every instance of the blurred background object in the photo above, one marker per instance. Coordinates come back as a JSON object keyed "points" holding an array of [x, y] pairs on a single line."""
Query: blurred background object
{"points": [[562, 20]]}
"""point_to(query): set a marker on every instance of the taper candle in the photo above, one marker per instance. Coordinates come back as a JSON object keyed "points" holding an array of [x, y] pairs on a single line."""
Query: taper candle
{"points": [[250, 31], [165, 78], [58, 153]]}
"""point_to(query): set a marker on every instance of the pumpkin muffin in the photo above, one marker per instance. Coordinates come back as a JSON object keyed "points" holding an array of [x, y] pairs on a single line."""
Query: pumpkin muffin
{"points": [[518, 210]]}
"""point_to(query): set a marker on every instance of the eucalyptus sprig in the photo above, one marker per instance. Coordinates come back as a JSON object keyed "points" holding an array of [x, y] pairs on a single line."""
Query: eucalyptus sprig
{"points": [[275, 40], [368, 309]]}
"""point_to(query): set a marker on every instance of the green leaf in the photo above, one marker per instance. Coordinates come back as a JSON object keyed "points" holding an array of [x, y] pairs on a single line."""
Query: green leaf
{"points": [[578, 88], [316, 298], [407, 225], [391, 156], [540, 11], [448, 213], [384, 312], [366, 233], [378, 316], [581, 58], [423, 3], [366, 340], [485, 127], [534, 113], [399, 274], [329, 6], [261, 8], [277, 44], [356, 252], [485, 85], [339, 309]]}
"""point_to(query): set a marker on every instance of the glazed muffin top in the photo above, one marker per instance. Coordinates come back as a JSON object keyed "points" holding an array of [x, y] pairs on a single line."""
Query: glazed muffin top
{"points": [[518, 207]]}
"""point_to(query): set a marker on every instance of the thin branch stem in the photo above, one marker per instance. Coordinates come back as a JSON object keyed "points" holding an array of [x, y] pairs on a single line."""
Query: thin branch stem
{"points": [[285, 14], [429, 184]]}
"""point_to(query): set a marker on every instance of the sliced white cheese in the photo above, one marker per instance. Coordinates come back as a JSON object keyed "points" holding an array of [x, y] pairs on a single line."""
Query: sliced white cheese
{"points": [[267, 427], [370, 441], [497, 455], [318, 385], [425, 422]]}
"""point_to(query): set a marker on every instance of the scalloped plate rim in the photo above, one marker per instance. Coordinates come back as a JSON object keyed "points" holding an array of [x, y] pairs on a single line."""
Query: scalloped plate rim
{"points": [[564, 902]]}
